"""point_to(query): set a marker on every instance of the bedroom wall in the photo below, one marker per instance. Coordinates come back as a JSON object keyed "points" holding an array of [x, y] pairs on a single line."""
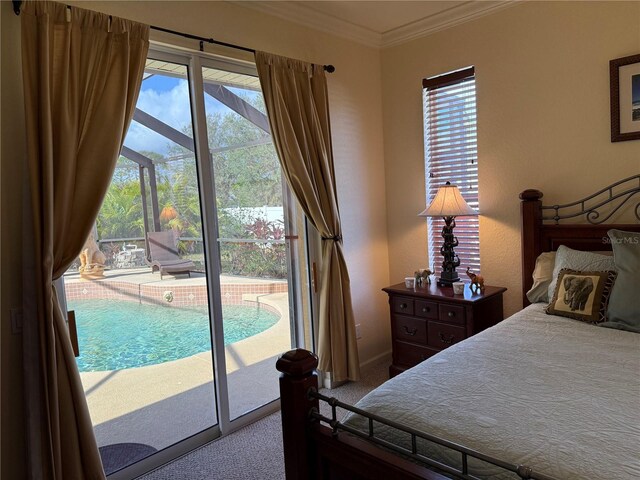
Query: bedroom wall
{"points": [[356, 116], [542, 76]]}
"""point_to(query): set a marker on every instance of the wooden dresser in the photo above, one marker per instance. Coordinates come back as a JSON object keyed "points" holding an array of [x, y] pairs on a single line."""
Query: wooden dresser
{"points": [[429, 319]]}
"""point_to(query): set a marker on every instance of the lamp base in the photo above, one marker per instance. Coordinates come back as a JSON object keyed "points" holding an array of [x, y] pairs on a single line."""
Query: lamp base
{"points": [[448, 278]]}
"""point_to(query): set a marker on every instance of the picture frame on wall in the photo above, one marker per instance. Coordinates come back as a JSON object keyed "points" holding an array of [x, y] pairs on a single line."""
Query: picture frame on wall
{"points": [[624, 75]]}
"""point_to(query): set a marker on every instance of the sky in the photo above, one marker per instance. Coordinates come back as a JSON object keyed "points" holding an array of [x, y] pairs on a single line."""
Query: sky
{"points": [[166, 98], [635, 88]]}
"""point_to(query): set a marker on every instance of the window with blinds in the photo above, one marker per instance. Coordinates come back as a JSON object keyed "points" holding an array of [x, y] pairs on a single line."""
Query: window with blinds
{"points": [[451, 155]]}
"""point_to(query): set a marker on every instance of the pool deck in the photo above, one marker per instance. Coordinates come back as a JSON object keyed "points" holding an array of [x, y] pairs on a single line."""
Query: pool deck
{"points": [[143, 276], [161, 404]]}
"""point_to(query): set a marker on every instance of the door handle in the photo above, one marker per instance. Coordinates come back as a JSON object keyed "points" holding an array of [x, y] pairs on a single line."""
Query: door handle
{"points": [[314, 278], [73, 332]]}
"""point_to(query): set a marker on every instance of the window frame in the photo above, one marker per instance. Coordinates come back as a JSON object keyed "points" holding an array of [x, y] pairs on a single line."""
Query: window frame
{"points": [[457, 143]]}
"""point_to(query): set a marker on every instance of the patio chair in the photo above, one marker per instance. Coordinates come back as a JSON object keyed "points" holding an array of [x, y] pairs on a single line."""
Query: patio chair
{"points": [[164, 255]]}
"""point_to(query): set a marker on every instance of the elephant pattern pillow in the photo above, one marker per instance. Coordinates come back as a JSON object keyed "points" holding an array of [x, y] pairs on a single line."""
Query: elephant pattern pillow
{"points": [[582, 295], [578, 260]]}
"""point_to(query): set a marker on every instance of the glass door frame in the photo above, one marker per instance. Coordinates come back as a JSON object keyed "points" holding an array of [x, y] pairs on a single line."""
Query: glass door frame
{"points": [[213, 432], [206, 180], [195, 61]]}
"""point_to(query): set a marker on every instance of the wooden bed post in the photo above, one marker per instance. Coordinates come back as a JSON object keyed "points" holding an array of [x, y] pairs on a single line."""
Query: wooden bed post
{"points": [[531, 214], [298, 376]]}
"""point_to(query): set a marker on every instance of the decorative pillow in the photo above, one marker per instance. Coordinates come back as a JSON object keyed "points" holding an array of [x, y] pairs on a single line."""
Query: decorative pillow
{"points": [[542, 276], [624, 305], [582, 295], [581, 261]]}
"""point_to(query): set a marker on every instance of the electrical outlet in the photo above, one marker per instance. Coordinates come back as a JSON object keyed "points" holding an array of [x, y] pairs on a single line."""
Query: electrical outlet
{"points": [[358, 331]]}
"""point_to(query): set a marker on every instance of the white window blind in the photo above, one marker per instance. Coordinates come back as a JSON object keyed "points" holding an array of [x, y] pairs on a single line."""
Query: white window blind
{"points": [[451, 154]]}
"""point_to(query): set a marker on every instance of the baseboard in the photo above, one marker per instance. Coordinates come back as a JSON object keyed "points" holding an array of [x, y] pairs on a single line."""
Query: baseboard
{"points": [[377, 358], [324, 379]]}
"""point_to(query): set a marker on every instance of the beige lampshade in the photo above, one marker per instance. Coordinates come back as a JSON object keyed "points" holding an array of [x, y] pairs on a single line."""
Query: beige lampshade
{"points": [[448, 203]]}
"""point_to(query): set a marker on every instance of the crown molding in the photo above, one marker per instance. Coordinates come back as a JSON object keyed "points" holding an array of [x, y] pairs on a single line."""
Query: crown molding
{"points": [[298, 12], [443, 20]]}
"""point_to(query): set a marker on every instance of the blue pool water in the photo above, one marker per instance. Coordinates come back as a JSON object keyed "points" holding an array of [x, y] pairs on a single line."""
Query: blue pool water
{"points": [[115, 335]]}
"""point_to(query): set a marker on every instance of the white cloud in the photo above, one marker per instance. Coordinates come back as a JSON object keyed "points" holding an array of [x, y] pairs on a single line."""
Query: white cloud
{"points": [[171, 107]]}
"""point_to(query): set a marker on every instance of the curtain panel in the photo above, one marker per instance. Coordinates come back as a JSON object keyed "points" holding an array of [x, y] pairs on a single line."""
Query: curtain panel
{"points": [[82, 73], [297, 105]]}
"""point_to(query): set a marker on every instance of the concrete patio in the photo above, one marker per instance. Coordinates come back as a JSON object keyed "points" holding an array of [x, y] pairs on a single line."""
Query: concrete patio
{"points": [[161, 404]]}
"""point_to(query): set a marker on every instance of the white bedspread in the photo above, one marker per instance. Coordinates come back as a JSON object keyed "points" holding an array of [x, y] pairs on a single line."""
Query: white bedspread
{"points": [[558, 395]]}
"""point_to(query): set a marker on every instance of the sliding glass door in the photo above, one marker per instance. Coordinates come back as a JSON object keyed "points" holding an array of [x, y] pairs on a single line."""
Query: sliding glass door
{"points": [[144, 335], [253, 229], [191, 286]]}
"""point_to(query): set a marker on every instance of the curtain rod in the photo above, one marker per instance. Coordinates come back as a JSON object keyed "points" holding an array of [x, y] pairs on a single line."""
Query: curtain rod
{"points": [[17, 4]]}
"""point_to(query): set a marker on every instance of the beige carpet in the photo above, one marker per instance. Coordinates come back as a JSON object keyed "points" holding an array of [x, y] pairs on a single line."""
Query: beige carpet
{"points": [[255, 452]]}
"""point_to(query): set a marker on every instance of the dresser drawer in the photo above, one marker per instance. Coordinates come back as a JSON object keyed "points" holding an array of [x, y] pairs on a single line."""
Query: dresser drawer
{"points": [[426, 309], [451, 314], [410, 329], [403, 305], [410, 355], [442, 335], [429, 319]]}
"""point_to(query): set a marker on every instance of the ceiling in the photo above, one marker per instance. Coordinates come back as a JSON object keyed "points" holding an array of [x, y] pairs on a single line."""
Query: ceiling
{"points": [[378, 23]]}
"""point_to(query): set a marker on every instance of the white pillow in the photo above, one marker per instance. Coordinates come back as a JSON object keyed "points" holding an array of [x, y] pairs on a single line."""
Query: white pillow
{"points": [[578, 260], [542, 276]]}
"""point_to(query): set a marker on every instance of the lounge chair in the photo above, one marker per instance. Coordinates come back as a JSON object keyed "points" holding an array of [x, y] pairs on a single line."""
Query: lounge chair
{"points": [[164, 254]]}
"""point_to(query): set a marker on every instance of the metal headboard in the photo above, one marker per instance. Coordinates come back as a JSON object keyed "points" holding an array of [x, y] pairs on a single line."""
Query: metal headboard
{"points": [[610, 199]]}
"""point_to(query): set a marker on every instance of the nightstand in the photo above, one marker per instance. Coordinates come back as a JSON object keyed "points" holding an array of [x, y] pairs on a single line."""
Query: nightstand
{"points": [[428, 319]]}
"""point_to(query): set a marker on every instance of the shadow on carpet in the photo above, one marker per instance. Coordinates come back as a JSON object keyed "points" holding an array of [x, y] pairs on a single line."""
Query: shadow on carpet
{"points": [[255, 451]]}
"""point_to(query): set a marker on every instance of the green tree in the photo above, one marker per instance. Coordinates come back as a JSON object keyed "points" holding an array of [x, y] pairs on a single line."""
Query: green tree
{"points": [[121, 213], [246, 172]]}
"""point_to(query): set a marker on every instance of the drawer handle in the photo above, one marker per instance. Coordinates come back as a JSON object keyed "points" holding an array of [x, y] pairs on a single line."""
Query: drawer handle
{"points": [[446, 340], [425, 309], [451, 314], [403, 306], [410, 332]]}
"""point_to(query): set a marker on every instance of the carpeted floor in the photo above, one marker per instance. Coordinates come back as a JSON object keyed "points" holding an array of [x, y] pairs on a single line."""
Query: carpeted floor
{"points": [[255, 452]]}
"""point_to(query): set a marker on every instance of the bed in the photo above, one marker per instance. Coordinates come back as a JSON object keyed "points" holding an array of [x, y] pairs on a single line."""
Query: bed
{"points": [[537, 403]]}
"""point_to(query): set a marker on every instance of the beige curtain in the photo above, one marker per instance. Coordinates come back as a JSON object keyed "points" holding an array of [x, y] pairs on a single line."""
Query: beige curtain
{"points": [[82, 74], [297, 104]]}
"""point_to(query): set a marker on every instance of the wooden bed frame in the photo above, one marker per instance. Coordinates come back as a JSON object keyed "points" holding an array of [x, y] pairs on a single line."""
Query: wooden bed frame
{"points": [[317, 447]]}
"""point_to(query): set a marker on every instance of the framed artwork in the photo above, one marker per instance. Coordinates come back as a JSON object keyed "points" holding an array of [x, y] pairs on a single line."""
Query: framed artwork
{"points": [[624, 74]]}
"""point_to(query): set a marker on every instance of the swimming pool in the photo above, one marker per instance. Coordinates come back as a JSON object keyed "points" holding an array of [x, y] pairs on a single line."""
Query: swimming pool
{"points": [[116, 335]]}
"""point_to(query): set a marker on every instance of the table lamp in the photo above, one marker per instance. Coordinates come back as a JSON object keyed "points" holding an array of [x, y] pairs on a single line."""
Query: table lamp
{"points": [[448, 204]]}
